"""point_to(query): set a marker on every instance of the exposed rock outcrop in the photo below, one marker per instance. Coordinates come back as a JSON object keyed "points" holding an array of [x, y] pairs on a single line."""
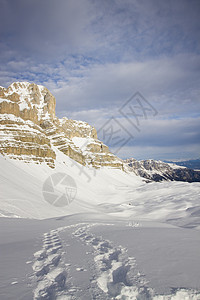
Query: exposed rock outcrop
{"points": [[159, 171], [29, 129]]}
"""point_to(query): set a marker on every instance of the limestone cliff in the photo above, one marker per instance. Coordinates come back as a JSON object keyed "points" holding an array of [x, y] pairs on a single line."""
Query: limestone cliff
{"points": [[29, 129]]}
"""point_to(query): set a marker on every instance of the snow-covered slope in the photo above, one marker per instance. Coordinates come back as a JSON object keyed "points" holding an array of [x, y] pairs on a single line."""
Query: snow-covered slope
{"points": [[22, 187], [120, 238], [159, 170], [108, 191], [75, 226]]}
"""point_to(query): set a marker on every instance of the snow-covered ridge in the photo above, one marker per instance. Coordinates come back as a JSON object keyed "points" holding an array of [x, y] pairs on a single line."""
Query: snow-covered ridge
{"points": [[159, 170], [28, 122], [4, 100]]}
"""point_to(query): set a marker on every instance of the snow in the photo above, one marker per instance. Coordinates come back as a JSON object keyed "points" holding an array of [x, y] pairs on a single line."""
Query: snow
{"points": [[18, 123], [108, 191], [11, 117], [29, 202], [21, 88], [161, 163], [23, 105], [82, 143], [82, 124], [174, 166], [4, 100], [24, 128], [63, 120], [120, 238], [40, 106], [85, 256]]}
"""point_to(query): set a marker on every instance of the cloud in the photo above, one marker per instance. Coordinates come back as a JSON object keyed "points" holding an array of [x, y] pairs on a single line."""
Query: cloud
{"points": [[171, 84], [94, 55], [168, 153], [108, 30], [158, 138], [45, 28], [161, 139]]}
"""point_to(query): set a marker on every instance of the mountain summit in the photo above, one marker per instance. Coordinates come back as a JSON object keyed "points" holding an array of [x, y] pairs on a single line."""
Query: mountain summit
{"points": [[30, 130], [160, 171]]}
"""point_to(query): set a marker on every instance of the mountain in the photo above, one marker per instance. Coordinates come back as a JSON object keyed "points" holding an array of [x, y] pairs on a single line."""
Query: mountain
{"points": [[76, 222], [36, 147], [30, 130], [191, 164], [159, 171]]}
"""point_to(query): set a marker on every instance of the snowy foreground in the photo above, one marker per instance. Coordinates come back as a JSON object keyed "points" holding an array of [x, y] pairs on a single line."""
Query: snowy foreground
{"points": [[120, 238]]}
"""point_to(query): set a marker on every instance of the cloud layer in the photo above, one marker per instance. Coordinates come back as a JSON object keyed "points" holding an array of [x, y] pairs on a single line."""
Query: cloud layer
{"points": [[94, 55]]}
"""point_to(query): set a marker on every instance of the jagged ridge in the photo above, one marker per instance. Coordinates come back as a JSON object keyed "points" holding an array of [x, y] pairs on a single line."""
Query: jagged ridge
{"points": [[29, 129], [159, 171]]}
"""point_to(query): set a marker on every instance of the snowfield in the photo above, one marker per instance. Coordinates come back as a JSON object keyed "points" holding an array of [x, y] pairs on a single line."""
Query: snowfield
{"points": [[120, 237]]}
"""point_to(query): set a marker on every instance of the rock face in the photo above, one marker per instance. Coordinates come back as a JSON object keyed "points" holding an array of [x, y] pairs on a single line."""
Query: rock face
{"points": [[28, 101], [24, 140], [159, 171], [29, 130]]}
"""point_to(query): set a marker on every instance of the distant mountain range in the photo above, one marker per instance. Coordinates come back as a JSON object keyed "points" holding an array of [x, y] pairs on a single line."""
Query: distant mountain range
{"points": [[191, 164], [160, 171], [31, 132]]}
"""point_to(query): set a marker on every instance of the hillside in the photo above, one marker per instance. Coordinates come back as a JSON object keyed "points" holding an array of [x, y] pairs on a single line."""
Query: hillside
{"points": [[30, 131], [78, 223]]}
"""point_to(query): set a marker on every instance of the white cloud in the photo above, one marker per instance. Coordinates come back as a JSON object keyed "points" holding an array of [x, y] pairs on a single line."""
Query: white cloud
{"points": [[172, 84], [93, 55], [168, 153]]}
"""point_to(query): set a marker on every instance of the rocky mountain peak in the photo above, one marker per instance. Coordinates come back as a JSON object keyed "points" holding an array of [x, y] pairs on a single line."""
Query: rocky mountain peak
{"points": [[30, 130], [159, 170], [29, 101]]}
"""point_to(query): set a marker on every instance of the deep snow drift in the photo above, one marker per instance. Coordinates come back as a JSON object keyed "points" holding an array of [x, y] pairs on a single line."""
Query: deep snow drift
{"points": [[120, 237]]}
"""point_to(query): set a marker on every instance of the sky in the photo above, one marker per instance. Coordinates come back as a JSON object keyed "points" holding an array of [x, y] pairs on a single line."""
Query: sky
{"points": [[131, 68]]}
